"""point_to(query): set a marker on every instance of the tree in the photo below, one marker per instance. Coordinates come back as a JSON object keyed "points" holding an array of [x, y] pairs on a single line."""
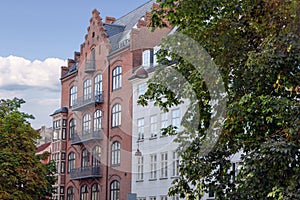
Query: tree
{"points": [[22, 175], [256, 46]]}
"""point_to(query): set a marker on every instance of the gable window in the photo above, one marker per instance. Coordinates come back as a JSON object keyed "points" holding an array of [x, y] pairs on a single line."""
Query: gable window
{"points": [[147, 57], [72, 128], [87, 89], [176, 118], [71, 161], [115, 190], [98, 86], [115, 153], [84, 192], [73, 96], [163, 120], [70, 193], [86, 123], [117, 78], [85, 158], [116, 115], [96, 157], [97, 120], [95, 192], [140, 127]]}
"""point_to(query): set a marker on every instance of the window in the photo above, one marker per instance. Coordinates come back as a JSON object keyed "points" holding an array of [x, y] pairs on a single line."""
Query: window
{"points": [[84, 192], [72, 128], [86, 124], [116, 115], [63, 134], [97, 120], [115, 190], [153, 166], [175, 197], [211, 192], [140, 127], [164, 197], [153, 126], [164, 165], [96, 157], [70, 193], [85, 158], [140, 166], [152, 198], [176, 118], [62, 167], [147, 57], [98, 86], [141, 89], [87, 89], [175, 164], [141, 198], [71, 161], [95, 192], [73, 96], [163, 120], [115, 153], [117, 78]]}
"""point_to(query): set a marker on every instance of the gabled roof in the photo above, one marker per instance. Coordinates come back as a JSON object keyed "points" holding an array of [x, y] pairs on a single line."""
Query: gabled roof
{"points": [[131, 18], [42, 147], [60, 110]]}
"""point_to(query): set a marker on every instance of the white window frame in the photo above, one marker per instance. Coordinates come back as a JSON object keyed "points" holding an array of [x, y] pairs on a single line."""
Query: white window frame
{"points": [[153, 126], [175, 164], [140, 167], [73, 95], [117, 78], [87, 89], [141, 128], [176, 118], [153, 166], [116, 115], [164, 165]]}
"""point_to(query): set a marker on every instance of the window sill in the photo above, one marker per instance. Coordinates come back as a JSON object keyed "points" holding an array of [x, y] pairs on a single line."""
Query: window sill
{"points": [[116, 89], [153, 138], [140, 140], [115, 165], [173, 177], [154, 179], [163, 178], [139, 181]]}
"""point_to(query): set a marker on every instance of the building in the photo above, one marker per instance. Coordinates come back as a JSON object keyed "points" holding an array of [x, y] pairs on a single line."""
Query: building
{"points": [[92, 129], [46, 135]]}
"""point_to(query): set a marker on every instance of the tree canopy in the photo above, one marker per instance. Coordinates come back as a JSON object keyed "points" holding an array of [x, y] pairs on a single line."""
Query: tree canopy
{"points": [[22, 175], [255, 45]]}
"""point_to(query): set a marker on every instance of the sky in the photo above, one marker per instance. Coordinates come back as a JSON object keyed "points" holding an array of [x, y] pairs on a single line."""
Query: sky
{"points": [[36, 39]]}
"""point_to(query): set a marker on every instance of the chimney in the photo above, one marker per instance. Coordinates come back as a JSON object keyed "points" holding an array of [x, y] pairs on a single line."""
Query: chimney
{"points": [[71, 62], [109, 20]]}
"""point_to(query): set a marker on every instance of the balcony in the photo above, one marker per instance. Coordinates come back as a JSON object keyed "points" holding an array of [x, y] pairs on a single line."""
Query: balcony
{"points": [[79, 138], [86, 172], [90, 66], [86, 101]]}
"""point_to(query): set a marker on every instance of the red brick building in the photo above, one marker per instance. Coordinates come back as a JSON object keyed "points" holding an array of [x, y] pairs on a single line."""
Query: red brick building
{"points": [[92, 129]]}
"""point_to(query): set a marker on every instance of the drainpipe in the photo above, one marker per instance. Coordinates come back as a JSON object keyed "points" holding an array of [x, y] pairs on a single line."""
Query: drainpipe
{"points": [[108, 131]]}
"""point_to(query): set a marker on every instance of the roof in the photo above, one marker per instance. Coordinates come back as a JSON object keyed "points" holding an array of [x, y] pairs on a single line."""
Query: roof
{"points": [[72, 70], [112, 29], [131, 18], [61, 110], [43, 147]]}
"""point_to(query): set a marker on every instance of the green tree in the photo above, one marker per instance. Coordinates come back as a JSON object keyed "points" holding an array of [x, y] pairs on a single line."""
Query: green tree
{"points": [[256, 46], [22, 175]]}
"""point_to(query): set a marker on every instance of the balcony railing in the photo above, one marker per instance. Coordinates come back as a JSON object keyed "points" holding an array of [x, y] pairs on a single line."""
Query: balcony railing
{"points": [[86, 172], [79, 138], [90, 66], [86, 101]]}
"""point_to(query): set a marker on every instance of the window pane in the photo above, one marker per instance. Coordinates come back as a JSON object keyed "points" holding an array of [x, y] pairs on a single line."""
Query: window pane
{"points": [[117, 78]]}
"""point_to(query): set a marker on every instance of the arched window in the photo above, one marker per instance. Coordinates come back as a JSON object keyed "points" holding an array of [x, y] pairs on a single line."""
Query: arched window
{"points": [[95, 192], [96, 157], [73, 96], [98, 85], [70, 193], [115, 190], [97, 120], [72, 128], [116, 115], [87, 89], [116, 153], [84, 192], [117, 78], [85, 158], [71, 161], [86, 123]]}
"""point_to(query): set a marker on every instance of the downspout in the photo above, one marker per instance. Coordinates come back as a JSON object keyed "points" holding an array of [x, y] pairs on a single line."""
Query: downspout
{"points": [[108, 130]]}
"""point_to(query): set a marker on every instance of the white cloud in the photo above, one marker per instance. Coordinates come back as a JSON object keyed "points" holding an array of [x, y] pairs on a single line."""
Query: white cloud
{"points": [[17, 72], [37, 82]]}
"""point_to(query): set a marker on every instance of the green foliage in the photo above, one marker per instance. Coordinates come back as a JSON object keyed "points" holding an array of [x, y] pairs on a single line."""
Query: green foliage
{"points": [[256, 46], [22, 175]]}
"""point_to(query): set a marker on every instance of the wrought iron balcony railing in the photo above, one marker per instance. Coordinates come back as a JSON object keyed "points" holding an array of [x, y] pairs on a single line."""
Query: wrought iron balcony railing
{"points": [[87, 136], [88, 100], [86, 172]]}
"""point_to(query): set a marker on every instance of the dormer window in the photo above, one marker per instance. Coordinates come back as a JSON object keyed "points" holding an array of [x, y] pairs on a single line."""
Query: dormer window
{"points": [[147, 57]]}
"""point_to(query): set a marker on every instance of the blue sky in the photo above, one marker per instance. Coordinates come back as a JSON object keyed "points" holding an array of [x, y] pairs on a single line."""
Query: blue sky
{"points": [[36, 38]]}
